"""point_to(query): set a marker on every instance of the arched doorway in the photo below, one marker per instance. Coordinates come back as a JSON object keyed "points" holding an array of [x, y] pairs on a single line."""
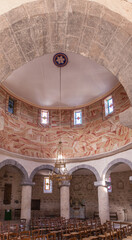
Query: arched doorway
{"points": [[120, 191], [45, 194], [83, 194], [10, 192]]}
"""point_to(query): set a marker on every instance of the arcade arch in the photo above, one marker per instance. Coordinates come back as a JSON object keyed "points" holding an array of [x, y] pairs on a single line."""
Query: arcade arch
{"points": [[83, 193], [13, 163], [117, 174], [45, 204]]}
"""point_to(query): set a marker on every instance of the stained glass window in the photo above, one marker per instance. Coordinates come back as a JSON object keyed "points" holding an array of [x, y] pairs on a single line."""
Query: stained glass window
{"points": [[77, 117], [109, 185], [44, 116], [11, 106], [47, 185], [108, 105]]}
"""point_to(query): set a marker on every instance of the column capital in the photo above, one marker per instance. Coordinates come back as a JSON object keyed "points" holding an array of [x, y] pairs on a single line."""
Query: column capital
{"points": [[27, 183], [65, 183], [100, 183]]}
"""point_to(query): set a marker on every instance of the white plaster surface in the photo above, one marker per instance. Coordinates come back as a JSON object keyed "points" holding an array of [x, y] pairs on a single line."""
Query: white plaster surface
{"points": [[103, 203]]}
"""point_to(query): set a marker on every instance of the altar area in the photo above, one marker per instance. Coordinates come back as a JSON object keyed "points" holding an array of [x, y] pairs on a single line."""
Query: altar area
{"points": [[77, 211]]}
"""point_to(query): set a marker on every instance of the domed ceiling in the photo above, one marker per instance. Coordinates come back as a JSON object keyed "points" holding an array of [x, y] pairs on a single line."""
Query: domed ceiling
{"points": [[82, 81]]}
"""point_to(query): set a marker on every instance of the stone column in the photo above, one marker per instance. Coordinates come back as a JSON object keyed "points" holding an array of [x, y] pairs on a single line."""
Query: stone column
{"points": [[26, 201], [103, 201], [65, 199]]}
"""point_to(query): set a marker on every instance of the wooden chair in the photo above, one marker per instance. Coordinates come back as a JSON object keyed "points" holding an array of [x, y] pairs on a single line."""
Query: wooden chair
{"points": [[13, 228], [105, 236], [26, 238], [90, 238], [39, 237], [65, 236], [2, 236], [35, 232], [24, 234], [13, 235], [51, 236], [73, 238]]}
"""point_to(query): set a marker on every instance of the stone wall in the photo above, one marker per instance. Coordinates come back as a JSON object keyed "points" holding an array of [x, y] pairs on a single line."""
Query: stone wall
{"points": [[22, 132], [49, 202], [121, 196], [12, 176], [84, 193]]}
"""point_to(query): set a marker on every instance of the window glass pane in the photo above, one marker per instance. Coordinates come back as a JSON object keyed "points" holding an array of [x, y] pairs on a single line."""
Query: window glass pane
{"points": [[77, 117], [106, 108], [110, 105], [11, 106], [111, 109], [44, 117], [108, 102], [47, 185], [110, 186]]}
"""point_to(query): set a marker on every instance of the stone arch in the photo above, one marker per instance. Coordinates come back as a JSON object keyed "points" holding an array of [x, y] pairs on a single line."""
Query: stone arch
{"points": [[17, 165], [113, 163], [91, 30], [42, 167], [85, 166]]}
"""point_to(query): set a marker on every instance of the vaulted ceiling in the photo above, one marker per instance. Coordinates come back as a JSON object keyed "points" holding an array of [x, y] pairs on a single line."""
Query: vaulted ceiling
{"points": [[99, 30]]}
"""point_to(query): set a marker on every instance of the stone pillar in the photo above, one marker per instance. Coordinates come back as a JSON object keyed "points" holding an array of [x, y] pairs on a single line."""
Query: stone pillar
{"points": [[65, 199], [26, 201], [103, 201]]}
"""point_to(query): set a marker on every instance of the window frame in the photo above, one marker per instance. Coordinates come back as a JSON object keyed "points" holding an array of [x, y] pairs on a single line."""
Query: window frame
{"points": [[10, 98], [50, 190], [46, 111], [77, 111], [107, 106]]}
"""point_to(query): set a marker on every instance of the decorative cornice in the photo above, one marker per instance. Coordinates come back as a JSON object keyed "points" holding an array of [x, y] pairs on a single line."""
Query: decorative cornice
{"points": [[63, 108]]}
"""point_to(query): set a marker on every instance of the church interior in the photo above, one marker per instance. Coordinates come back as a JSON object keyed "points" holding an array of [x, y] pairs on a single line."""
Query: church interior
{"points": [[66, 119]]}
